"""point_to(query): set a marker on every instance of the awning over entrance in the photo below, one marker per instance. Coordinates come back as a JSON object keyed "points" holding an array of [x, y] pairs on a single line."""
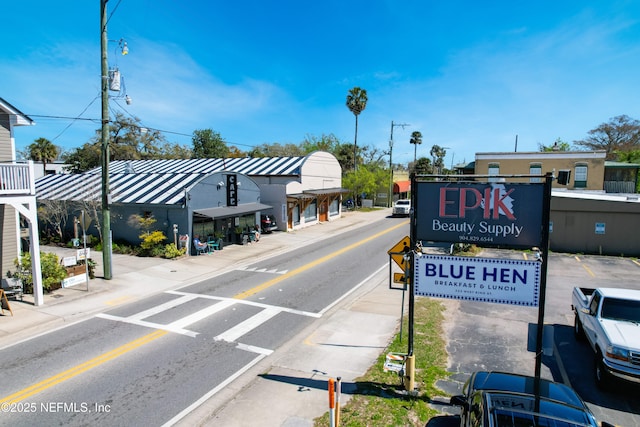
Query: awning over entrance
{"points": [[401, 187], [325, 191], [228, 211]]}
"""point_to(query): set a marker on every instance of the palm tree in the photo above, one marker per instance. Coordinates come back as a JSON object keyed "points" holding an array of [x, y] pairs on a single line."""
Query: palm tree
{"points": [[42, 150], [438, 154], [356, 102], [416, 139]]}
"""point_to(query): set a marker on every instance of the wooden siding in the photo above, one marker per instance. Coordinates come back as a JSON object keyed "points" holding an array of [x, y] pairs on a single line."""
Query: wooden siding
{"points": [[5, 138], [9, 238]]}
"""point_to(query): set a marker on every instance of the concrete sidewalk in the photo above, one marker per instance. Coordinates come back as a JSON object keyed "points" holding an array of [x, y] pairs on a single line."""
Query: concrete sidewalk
{"points": [[288, 387]]}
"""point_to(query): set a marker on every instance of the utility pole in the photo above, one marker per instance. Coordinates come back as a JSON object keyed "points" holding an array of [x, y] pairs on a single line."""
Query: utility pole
{"points": [[390, 199], [106, 214]]}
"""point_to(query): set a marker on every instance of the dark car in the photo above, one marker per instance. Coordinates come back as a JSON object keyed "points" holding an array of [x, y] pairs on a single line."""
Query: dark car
{"points": [[268, 223], [509, 400]]}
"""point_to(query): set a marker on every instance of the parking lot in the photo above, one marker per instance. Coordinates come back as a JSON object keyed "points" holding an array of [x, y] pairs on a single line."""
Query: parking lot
{"points": [[502, 337]]}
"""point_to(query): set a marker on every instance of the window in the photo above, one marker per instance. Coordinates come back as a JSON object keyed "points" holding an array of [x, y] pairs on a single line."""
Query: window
{"points": [[311, 212], [494, 169], [295, 215], [334, 207], [535, 169], [580, 180]]}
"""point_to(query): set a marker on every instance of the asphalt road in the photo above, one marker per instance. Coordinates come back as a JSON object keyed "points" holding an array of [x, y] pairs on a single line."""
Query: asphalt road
{"points": [[150, 362], [485, 336]]}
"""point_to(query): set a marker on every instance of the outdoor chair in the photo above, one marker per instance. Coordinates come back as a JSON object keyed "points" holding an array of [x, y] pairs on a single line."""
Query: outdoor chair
{"points": [[214, 244]]}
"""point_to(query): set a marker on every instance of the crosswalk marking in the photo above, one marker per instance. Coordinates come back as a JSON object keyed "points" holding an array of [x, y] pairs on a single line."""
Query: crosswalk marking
{"points": [[199, 315], [231, 335], [163, 307], [150, 325], [263, 270], [251, 323]]}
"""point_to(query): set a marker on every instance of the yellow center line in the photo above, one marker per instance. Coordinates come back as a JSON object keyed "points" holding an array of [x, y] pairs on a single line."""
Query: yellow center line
{"points": [[119, 351], [119, 300], [588, 270], [268, 284], [83, 367]]}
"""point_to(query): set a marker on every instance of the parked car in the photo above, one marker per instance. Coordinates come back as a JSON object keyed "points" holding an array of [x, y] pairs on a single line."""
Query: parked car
{"points": [[401, 207], [268, 223], [509, 400], [609, 318]]}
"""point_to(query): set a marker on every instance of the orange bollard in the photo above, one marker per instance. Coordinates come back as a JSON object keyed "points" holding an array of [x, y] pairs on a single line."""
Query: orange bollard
{"points": [[332, 403], [338, 390]]}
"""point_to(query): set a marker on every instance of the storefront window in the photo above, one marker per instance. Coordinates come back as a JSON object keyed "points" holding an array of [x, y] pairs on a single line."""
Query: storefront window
{"points": [[311, 212], [334, 207], [295, 214]]}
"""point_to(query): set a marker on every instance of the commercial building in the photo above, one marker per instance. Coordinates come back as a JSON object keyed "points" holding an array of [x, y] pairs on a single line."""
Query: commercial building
{"points": [[221, 197]]}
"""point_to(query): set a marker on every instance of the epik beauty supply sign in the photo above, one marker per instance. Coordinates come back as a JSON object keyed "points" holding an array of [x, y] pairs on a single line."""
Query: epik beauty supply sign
{"points": [[503, 281], [486, 214]]}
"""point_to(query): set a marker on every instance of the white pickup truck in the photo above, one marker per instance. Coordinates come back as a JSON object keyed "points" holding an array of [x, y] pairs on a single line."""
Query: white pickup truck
{"points": [[610, 320]]}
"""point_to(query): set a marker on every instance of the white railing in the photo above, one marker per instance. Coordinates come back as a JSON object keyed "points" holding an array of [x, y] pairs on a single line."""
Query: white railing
{"points": [[17, 178]]}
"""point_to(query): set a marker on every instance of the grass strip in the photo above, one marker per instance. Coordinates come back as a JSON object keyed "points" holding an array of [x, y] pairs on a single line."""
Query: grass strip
{"points": [[380, 399]]}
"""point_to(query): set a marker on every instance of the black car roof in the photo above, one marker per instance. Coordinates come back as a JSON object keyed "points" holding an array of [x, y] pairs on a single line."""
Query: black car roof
{"points": [[502, 381]]}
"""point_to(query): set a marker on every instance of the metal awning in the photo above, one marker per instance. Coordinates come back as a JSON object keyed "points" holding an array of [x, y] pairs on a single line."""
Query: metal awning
{"points": [[310, 194], [327, 191], [301, 196], [228, 211]]}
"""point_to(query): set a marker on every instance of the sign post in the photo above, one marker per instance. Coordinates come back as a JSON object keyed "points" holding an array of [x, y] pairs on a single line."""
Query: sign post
{"points": [[490, 213], [544, 249]]}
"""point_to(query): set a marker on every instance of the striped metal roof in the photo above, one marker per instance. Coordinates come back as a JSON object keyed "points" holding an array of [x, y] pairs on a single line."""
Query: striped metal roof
{"points": [[156, 181], [260, 166]]}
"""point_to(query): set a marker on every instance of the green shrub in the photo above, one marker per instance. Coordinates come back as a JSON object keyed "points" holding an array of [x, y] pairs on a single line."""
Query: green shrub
{"points": [[151, 240], [171, 252], [52, 272]]}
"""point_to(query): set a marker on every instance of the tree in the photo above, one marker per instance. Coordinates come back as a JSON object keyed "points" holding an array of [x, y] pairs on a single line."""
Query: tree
{"points": [[128, 140], [438, 154], [329, 143], [83, 158], [356, 102], [344, 153], [361, 181], [54, 214], [621, 133], [208, 144], [423, 166], [416, 139], [558, 145], [276, 150], [42, 150]]}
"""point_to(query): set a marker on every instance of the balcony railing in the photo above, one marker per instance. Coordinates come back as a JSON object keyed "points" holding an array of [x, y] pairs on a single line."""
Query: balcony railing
{"points": [[620, 187], [17, 179]]}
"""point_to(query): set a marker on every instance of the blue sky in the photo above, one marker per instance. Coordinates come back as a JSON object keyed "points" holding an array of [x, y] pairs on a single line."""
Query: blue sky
{"points": [[469, 75]]}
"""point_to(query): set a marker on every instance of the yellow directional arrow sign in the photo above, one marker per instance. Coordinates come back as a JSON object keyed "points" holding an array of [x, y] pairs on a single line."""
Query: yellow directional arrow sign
{"points": [[399, 278], [397, 252]]}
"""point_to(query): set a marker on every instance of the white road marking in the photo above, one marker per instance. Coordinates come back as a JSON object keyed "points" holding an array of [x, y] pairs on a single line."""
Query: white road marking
{"points": [[231, 335], [199, 315], [179, 326], [163, 307], [213, 391], [252, 303], [262, 270], [145, 324]]}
